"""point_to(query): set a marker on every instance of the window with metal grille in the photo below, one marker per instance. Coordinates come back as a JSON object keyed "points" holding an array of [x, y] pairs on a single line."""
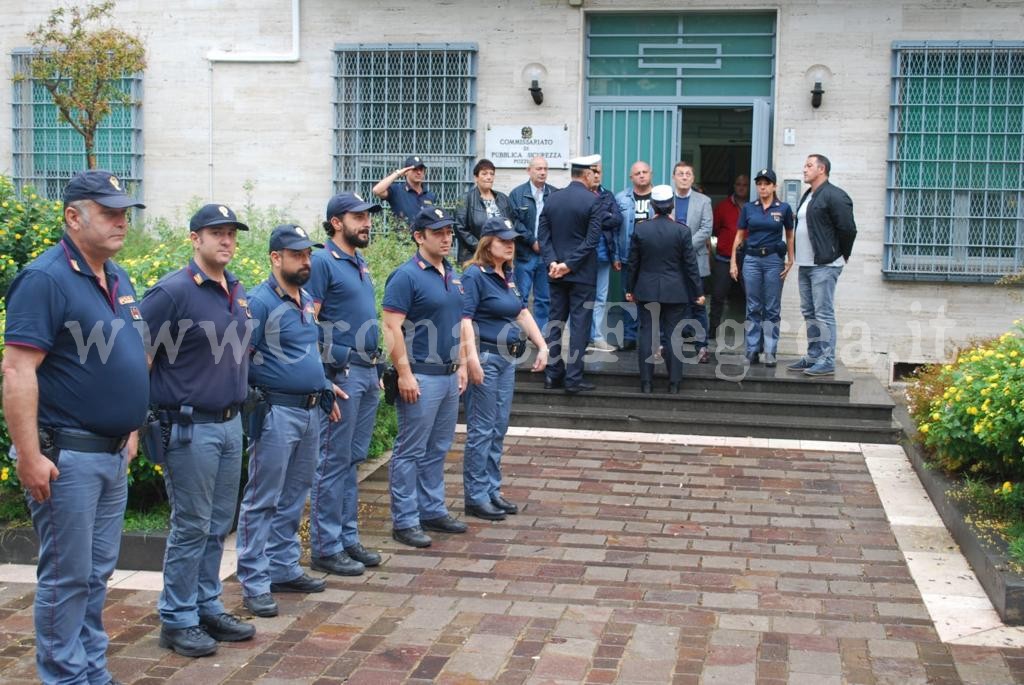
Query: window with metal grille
{"points": [[956, 163], [397, 100], [48, 152]]}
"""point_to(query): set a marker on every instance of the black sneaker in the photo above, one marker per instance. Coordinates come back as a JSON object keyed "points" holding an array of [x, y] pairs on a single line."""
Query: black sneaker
{"points": [[340, 564], [227, 628], [303, 584], [191, 641], [363, 555]]}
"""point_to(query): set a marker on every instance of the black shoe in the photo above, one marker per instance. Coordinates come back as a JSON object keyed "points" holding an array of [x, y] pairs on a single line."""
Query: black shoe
{"points": [[444, 524], [646, 387], [673, 388], [340, 564], [553, 384], [583, 386], [227, 628], [753, 358], [504, 504], [263, 605], [628, 345], [414, 537], [363, 555], [303, 584], [191, 641], [487, 511]]}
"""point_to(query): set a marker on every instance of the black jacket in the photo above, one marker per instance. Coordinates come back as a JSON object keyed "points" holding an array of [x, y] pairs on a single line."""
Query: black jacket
{"points": [[569, 228], [830, 224], [471, 217], [662, 263]]}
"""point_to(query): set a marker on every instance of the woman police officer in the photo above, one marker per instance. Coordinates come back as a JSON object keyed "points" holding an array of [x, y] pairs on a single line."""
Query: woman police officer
{"points": [[766, 224], [494, 326]]}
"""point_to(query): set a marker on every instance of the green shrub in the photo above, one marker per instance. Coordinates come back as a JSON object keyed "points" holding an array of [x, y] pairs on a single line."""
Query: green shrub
{"points": [[28, 225]]}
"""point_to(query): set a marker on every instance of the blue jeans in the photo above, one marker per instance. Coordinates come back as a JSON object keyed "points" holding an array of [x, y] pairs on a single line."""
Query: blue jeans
{"points": [[763, 284], [532, 274], [425, 433], [202, 479], [604, 270], [281, 464], [334, 498], [488, 407], [79, 530], [817, 304]]}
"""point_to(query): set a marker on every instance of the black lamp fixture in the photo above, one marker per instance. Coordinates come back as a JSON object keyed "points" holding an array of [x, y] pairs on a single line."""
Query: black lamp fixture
{"points": [[538, 95], [816, 94], [533, 75]]}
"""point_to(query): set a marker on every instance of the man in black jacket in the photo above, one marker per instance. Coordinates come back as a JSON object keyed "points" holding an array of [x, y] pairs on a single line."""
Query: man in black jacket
{"points": [[568, 231], [825, 231]]}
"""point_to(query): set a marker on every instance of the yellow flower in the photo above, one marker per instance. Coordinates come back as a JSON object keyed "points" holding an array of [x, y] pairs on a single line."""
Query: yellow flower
{"points": [[924, 428], [973, 411], [1013, 353], [968, 378], [1007, 487], [5, 474], [936, 416], [159, 469]]}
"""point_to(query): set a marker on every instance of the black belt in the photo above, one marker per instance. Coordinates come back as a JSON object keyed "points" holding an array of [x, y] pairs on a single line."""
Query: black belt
{"points": [[514, 349], [761, 251], [287, 399], [430, 369], [367, 361], [198, 416], [65, 439]]}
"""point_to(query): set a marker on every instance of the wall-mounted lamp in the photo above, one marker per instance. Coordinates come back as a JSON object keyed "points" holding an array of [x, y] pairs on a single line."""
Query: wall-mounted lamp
{"points": [[533, 75], [816, 94]]}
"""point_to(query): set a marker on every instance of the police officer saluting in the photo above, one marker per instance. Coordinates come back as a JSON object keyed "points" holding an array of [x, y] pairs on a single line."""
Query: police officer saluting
{"points": [[422, 317], [199, 322], [284, 428], [73, 436], [344, 300]]}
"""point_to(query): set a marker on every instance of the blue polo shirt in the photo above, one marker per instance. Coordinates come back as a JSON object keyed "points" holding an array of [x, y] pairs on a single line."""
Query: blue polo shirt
{"points": [[406, 203], [493, 302], [285, 344], [99, 382], [431, 301], [340, 283], [199, 337], [766, 226]]}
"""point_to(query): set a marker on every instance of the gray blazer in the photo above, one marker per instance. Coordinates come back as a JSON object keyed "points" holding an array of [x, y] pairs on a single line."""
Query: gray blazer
{"points": [[698, 218]]}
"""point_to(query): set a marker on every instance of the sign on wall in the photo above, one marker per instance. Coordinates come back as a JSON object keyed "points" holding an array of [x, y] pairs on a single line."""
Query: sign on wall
{"points": [[511, 147]]}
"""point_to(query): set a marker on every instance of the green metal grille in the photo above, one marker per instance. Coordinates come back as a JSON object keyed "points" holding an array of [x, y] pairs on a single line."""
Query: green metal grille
{"points": [[956, 163], [680, 55], [48, 152], [397, 100]]}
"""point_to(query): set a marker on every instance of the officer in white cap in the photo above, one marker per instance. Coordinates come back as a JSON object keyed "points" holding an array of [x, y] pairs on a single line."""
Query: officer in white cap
{"points": [[568, 232]]}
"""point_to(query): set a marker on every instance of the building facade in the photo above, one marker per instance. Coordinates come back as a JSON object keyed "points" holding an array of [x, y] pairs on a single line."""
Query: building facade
{"points": [[920, 114]]}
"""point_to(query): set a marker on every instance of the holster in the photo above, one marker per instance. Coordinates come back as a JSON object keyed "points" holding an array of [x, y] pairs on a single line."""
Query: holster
{"points": [[185, 424], [153, 441], [254, 411], [390, 380], [327, 401], [47, 446]]}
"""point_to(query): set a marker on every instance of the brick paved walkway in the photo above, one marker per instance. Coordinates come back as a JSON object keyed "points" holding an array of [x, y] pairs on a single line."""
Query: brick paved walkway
{"points": [[630, 563]]}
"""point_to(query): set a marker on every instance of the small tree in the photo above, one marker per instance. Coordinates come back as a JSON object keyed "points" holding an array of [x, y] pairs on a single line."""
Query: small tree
{"points": [[80, 62]]}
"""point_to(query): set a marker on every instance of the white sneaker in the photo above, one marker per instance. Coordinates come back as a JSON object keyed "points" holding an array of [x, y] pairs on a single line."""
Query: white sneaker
{"points": [[601, 346]]}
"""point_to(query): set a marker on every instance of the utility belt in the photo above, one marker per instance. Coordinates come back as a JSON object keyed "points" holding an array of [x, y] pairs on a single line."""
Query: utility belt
{"points": [[432, 369], [765, 251], [287, 399], [52, 440], [366, 360], [513, 349], [189, 415]]}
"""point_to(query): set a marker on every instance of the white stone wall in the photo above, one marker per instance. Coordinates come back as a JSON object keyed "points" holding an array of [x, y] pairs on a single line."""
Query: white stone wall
{"points": [[271, 123]]}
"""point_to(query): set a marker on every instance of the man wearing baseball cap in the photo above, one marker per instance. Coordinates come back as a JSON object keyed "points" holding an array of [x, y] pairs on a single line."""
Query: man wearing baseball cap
{"points": [[284, 428], [72, 412], [196, 390], [345, 303], [408, 198]]}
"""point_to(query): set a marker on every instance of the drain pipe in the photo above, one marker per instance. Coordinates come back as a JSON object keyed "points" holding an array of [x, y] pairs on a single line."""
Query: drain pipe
{"points": [[215, 56]]}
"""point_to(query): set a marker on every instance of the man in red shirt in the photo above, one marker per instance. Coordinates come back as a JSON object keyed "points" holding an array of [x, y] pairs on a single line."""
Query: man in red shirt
{"points": [[723, 287]]}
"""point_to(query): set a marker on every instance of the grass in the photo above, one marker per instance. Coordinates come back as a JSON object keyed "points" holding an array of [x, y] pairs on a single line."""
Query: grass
{"points": [[156, 519], [997, 513]]}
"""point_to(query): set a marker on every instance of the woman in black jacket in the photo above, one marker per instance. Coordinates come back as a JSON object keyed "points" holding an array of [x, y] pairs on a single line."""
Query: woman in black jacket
{"points": [[480, 204]]}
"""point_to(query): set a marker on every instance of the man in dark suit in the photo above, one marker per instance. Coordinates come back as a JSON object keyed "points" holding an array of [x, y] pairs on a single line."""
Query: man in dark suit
{"points": [[568, 232], [663, 278]]}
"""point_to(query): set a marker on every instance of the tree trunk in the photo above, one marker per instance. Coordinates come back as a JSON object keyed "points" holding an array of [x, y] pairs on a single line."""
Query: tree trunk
{"points": [[90, 154]]}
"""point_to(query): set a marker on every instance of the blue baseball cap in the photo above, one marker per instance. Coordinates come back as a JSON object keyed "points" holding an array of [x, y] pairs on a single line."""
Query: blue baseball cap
{"points": [[499, 228], [349, 202], [100, 186], [214, 215], [766, 174], [415, 162], [290, 237], [433, 218]]}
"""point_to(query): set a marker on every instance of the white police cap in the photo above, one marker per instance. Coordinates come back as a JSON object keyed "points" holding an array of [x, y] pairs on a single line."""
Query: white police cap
{"points": [[585, 162], [661, 193]]}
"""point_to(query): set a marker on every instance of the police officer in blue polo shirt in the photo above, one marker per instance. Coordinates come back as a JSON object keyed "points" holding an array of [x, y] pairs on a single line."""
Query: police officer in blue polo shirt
{"points": [[284, 428], [422, 320], [408, 198], [199, 325], [75, 390], [343, 296], [493, 313]]}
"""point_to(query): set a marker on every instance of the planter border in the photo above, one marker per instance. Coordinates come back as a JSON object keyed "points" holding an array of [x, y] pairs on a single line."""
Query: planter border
{"points": [[139, 551], [989, 560]]}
